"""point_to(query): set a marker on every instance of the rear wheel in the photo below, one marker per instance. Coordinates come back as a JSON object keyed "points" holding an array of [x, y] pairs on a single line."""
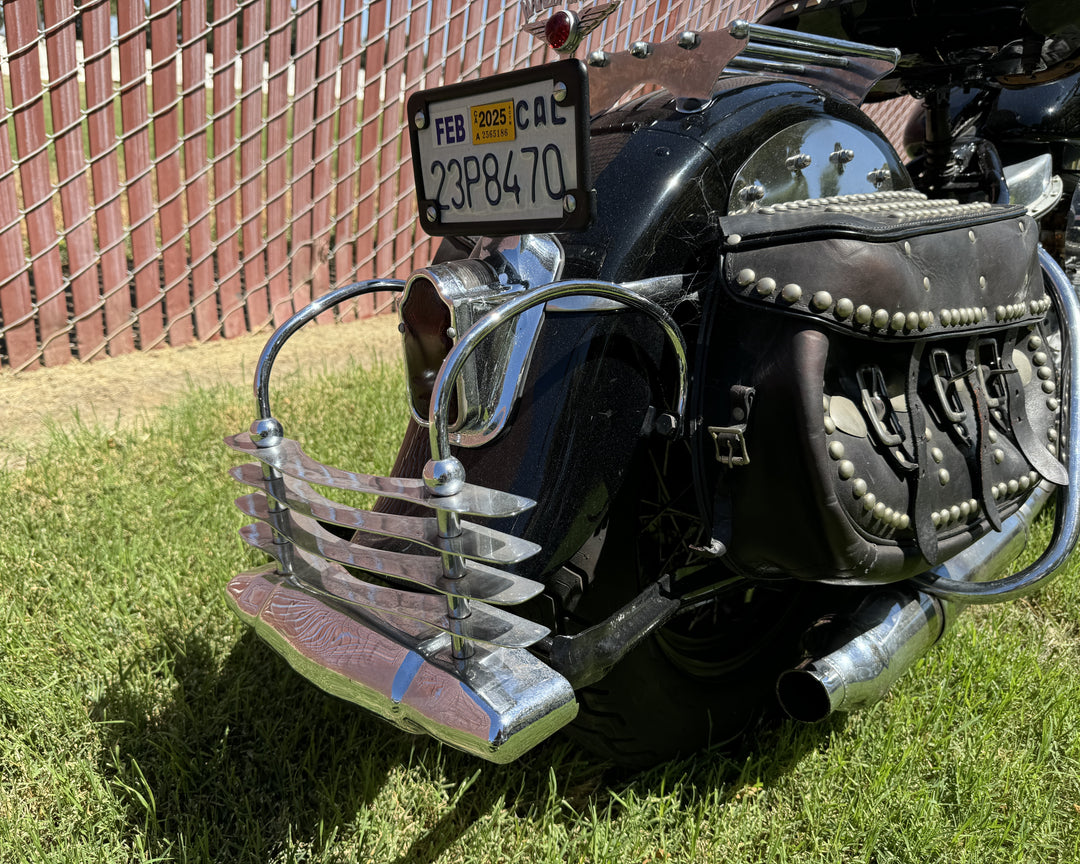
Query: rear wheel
{"points": [[709, 675]]}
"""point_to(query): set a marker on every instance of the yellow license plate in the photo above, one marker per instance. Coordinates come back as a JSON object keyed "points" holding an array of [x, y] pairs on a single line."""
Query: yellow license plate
{"points": [[493, 123]]}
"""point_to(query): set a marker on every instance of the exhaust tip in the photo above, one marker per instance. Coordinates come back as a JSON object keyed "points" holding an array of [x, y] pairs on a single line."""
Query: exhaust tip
{"points": [[803, 694]]}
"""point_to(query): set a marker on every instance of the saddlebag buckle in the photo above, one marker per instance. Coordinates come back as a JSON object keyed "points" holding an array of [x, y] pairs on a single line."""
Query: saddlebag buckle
{"points": [[730, 444], [730, 441]]}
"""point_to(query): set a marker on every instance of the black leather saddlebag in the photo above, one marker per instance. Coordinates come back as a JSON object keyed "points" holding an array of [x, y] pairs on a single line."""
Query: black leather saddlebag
{"points": [[882, 388]]}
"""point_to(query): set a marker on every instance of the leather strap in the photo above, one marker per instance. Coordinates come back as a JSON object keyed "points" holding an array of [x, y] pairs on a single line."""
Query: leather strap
{"points": [[980, 455], [1020, 398], [920, 509]]}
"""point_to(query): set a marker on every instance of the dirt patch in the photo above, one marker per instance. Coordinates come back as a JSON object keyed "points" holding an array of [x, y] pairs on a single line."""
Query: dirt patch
{"points": [[116, 392]]}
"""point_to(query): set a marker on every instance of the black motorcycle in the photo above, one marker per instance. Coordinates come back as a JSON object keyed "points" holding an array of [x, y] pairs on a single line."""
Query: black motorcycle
{"points": [[748, 408]]}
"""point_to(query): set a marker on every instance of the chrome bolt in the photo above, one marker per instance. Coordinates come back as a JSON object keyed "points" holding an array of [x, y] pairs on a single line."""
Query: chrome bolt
{"points": [[559, 94], [420, 119], [599, 59], [444, 477], [641, 50], [688, 39], [451, 333], [739, 28], [751, 193], [798, 162], [569, 203], [432, 213], [879, 177]]}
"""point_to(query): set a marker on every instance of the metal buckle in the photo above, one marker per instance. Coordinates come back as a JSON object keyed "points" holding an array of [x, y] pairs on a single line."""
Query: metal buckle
{"points": [[881, 415], [878, 407], [990, 381], [941, 371], [731, 439]]}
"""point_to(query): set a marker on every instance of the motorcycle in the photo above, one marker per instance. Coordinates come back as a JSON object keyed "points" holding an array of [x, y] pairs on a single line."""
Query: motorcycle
{"points": [[751, 409]]}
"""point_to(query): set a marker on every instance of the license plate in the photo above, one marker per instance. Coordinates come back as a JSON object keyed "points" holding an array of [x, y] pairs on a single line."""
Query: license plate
{"points": [[504, 155]]}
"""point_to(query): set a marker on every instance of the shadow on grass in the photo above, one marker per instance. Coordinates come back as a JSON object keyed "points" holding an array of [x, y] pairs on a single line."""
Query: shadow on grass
{"points": [[243, 760]]}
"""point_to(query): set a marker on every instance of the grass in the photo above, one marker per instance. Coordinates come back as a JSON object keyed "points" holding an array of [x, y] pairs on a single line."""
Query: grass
{"points": [[140, 722]]}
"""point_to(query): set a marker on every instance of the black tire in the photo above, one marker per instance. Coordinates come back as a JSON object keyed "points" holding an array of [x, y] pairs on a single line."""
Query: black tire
{"points": [[708, 676]]}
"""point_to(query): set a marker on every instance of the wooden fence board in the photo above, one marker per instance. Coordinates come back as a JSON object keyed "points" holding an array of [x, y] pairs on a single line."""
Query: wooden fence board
{"points": [[226, 188], [28, 109], [303, 148], [322, 179], [138, 185], [385, 262], [370, 156], [262, 309], [77, 215], [196, 169], [20, 343], [105, 176], [277, 152], [348, 139], [170, 190]]}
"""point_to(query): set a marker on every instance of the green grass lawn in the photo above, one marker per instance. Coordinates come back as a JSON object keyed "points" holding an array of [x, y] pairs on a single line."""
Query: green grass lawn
{"points": [[140, 721]]}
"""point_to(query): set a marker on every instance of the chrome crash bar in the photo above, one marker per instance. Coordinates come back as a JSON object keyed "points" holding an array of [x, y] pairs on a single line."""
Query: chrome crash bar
{"points": [[444, 658]]}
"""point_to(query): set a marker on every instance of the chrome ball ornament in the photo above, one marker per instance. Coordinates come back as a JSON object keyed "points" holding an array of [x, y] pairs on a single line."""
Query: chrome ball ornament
{"points": [[444, 477]]}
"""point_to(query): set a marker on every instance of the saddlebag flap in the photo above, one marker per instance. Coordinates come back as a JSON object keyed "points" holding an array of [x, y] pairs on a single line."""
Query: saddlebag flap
{"points": [[885, 393]]}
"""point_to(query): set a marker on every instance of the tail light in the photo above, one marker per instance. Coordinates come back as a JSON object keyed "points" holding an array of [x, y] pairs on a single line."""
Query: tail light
{"points": [[563, 31], [440, 303], [427, 334]]}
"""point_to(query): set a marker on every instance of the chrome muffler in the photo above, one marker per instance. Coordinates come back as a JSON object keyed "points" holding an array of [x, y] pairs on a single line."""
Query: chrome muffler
{"points": [[860, 656]]}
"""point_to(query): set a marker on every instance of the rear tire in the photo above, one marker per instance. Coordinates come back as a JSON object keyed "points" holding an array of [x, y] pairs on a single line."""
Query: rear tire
{"points": [[708, 676], [666, 699]]}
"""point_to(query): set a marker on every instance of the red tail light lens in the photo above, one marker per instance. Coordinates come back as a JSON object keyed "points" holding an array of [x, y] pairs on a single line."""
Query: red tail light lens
{"points": [[561, 31]]}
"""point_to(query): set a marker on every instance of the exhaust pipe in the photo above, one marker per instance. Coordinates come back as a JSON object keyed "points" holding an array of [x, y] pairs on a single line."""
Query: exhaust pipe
{"points": [[857, 659], [893, 628]]}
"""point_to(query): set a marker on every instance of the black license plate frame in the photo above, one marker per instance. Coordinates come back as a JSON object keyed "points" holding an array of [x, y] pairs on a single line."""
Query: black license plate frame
{"points": [[531, 173]]}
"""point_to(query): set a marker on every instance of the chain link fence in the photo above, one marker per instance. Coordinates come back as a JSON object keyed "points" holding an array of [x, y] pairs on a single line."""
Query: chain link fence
{"points": [[174, 171]]}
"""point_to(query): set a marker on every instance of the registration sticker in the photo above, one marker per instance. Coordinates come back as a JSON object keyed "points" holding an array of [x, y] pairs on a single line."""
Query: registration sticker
{"points": [[492, 123]]}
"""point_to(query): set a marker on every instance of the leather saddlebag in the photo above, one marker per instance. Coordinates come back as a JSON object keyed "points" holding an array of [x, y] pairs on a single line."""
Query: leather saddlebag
{"points": [[882, 389]]}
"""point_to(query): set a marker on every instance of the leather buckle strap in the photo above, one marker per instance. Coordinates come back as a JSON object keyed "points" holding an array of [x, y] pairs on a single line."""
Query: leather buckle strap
{"points": [[882, 417]]}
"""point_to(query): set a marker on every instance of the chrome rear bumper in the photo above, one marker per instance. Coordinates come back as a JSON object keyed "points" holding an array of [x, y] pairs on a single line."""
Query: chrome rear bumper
{"points": [[426, 644], [443, 657], [497, 705]]}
